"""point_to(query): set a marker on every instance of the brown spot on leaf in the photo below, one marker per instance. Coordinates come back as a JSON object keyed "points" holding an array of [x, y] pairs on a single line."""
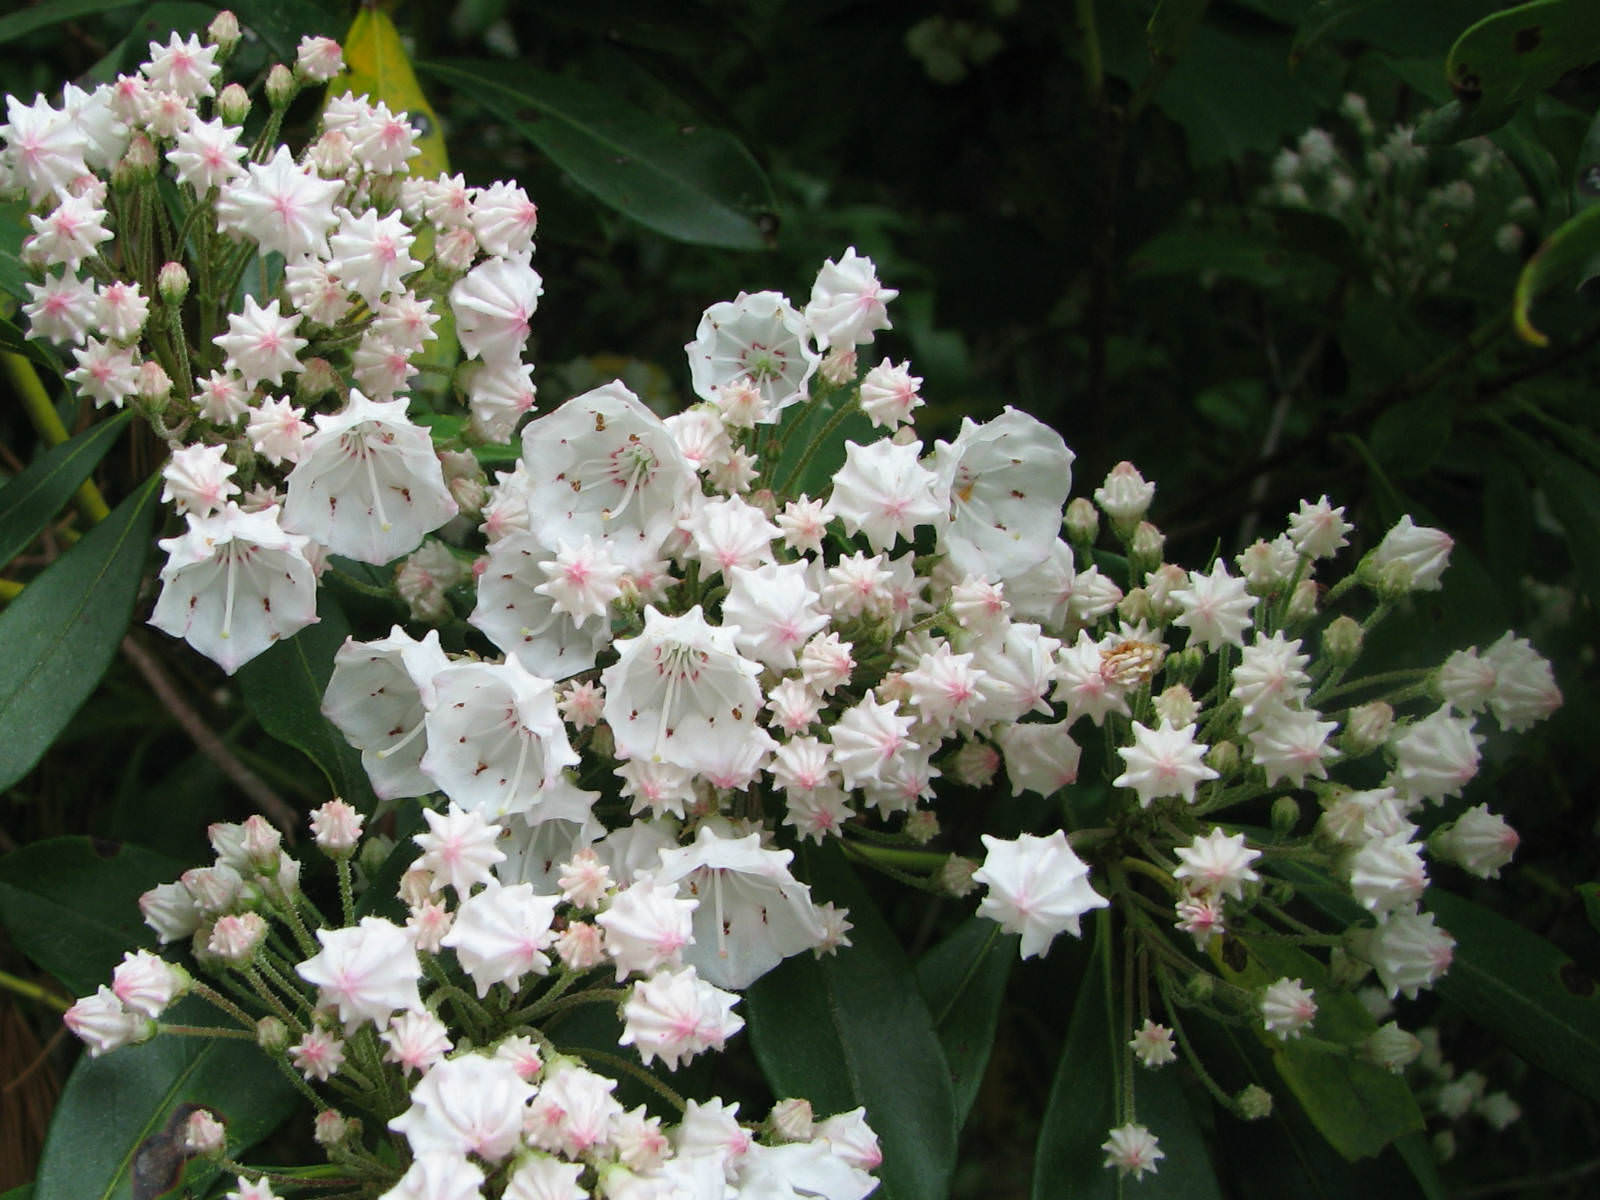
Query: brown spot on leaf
{"points": [[1576, 980], [1234, 956], [1527, 39], [105, 847]]}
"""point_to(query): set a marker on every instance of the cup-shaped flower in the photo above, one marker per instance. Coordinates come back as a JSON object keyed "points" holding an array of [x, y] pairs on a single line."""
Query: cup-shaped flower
{"points": [[1037, 887], [757, 339], [235, 583], [377, 696]]}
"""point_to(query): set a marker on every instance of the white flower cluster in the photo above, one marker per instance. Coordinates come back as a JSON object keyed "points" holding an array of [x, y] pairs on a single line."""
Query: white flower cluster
{"points": [[371, 1007]]}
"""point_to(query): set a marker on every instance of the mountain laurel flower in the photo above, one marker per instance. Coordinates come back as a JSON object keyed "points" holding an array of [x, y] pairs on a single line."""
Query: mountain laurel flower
{"points": [[883, 492], [1409, 951], [1216, 608], [889, 394], [207, 154], [318, 59], [370, 254], [848, 304], [774, 611], [1037, 887], [107, 373], [377, 697], [1125, 495], [675, 1015], [70, 234], [1132, 1150], [367, 971], [147, 983], [197, 480], [1388, 872], [504, 219], [282, 206], [471, 1104], [500, 935], [1288, 1008], [757, 339], [1217, 864], [1411, 557], [493, 306], [103, 1023], [1436, 756], [1319, 529], [45, 149], [234, 584], [1524, 690], [1163, 762], [1479, 841], [261, 344], [1152, 1044]]}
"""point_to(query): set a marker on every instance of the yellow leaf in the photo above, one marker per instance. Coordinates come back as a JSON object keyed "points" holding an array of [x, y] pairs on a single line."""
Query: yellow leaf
{"points": [[376, 64]]}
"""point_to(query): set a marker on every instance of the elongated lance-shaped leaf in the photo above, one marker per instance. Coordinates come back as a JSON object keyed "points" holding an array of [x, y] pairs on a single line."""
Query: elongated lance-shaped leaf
{"points": [[29, 501], [58, 637], [852, 1029], [1569, 255], [696, 185], [963, 979]]}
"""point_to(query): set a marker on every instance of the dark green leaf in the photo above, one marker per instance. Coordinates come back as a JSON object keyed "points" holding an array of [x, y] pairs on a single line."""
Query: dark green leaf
{"points": [[1455, 121], [695, 185], [13, 275], [1208, 254], [42, 16], [71, 904], [1586, 169], [1589, 893], [852, 1029], [31, 499], [1510, 55], [802, 425], [963, 979], [117, 1133], [57, 638], [1323, 19], [1569, 255], [284, 688], [1543, 1005], [1171, 24], [1360, 1108], [282, 23], [15, 341], [1573, 493]]}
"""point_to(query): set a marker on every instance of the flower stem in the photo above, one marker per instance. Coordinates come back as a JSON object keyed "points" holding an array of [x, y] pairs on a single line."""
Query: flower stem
{"points": [[25, 382], [33, 991]]}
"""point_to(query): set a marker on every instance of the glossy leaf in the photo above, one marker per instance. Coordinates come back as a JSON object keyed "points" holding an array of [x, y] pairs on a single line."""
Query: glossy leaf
{"points": [[57, 638], [1510, 55], [376, 64], [13, 226], [1544, 1006], [42, 16], [1586, 169], [1358, 1107], [1573, 493], [282, 23], [71, 904], [117, 1133], [692, 184], [283, 688], [853, 1029], [15, 341], [1589, 893], [963, 979], [32, 498], [1570, 255]]}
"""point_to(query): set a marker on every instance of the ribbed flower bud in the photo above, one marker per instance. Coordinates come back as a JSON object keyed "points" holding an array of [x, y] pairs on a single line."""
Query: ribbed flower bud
{"points": [[1223, 758], [223, 33], [272, 1035], [1285, 815], [1302, 603], [1083, 522], [1145, 548], [281, 86], [1392, 1048], [233, 105], [955, 876], [1368, 726], [173, 283], [1341, 640], [1254, 1102], [203, 1135]]}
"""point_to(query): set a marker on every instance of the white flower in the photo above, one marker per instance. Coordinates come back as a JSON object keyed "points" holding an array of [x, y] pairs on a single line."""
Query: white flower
{"points": [[1479, 840], [1125, 495], [106, 372], [848, 304], [370, 253], [493, 306], [261, 344], [883, 492], [234, 584], [678, 689], [675, 1015], [1216, 608], [459, 849], [1163, 762], [1132, 1150], [499, 395], [120, 310], [869, 738], [368, 971], [1412, 557], [1152, 1044], [376, 697], [207, 154], [1291, 745], [439, 1175], [368, 484], [647, 924], [773, 610], [1388, 872], [318, 59], [504, 219], [574, 1111], [500, 935], [69, 234], [472, 1104], [728, 533], [889, 394], [45, 148], [1217, 864], [1525, 689], [277, 431], [759, 339], [1037, 887], [1039, 757], [1409, 951], [1288, 1008], [282, 206], [1319, 529], [197, 479], [1006, 481], [581, 580], [61, 308], [103, 1023], [516, 610], [382, 140], [184, 67], [1436, 756], [753, 913]]}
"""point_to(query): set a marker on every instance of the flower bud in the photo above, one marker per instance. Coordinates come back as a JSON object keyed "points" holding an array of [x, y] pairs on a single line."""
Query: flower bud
{"points": [[416, 886], [155, 385], [1391, 1048], [1223, 758], [1182, 667], [331, 1128], [1285, 815], [1368, 726], [1302, 603], [1135, 606], [1341, 640], [317, 379], [839, 365], [281, 86], [922, 826], [319, 59], [203, 1135], [103, 1024], [791, 1121], [1145, 548], [975, 764], [455, 250], [233, 105], [955, 876], [1200, 986], [235, 937], [173, 283], [1254, 1102], [1177, 706], [1125, 497], [272, 1035], [261, 844], [336, 828], [1083, 522], [223, 33], [463, 476]]}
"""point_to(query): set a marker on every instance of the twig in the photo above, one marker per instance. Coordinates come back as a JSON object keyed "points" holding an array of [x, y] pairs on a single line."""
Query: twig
{"points": [[208, 743]]}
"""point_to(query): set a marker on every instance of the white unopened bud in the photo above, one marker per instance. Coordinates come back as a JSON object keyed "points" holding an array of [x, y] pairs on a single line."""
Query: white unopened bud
{"points": [[173, 283], [281, 86], [1083, 522], [1368, 726], [235, 937], [154, 382], [955, 876], [336, 828], [203, 1135], [1392, 1048], [233, 105], [791, 1121]]}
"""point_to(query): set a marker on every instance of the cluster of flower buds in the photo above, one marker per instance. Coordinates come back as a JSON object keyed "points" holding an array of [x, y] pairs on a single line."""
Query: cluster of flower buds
{"points": [[1408, 232], [367, 1009]]}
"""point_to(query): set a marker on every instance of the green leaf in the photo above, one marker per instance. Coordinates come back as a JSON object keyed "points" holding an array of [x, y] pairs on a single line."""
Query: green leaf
{"points": [[1508, 56], [13, 226], [802, 424], [692, 184], [1572, 251], [1544, 1006], [963, 979], [71, 904], [14, 340], [1069, 1163], [282, 23], [284, 688], [117, 1133], [42, 16], [852, 1029], [1589, 893], [1359, 1107], [1170, 26], [1253, 258], [58, 637], [1586, 169], [31, 499], [1573, 493]]}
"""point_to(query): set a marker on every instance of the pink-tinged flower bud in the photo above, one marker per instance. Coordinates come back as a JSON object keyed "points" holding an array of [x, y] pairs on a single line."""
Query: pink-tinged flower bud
{"points": [[336, 828], [1479, 841], [318, 378], [234, 938], [1302, 603], [272, 1035], [975, 764], [155, 385], [839, 365], [922, 826], [262, 843], [1146, 547], [170, 910], [103, 1023], [147, 984], [138, 164], [791, 1121], [173, 283], [203, 1135], [955, 876], [223, 32], [1083, 522], [1125, 497], [455, 250], [1410, 558], [416, 886], [281, 86], [318, 60], [1368, 726], [233, 105], [215, 889], [331, 1128]]}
